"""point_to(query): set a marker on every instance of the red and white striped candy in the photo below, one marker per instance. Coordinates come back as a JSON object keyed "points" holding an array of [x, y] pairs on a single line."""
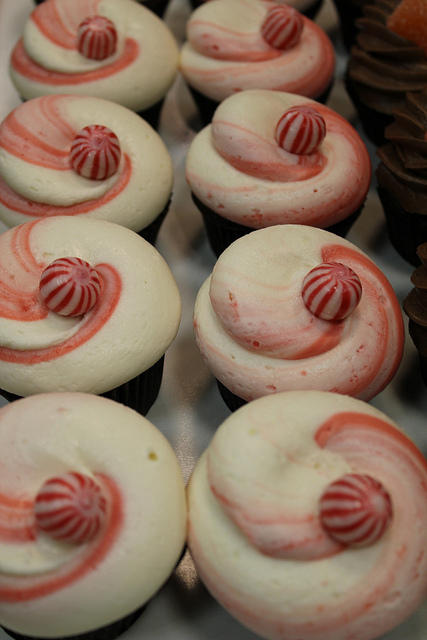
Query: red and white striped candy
{"points": [[95, 152], [300, 130], [97, 38], [282, 27], [355, 510], [70, 286], [331, 291], [70, 508]]}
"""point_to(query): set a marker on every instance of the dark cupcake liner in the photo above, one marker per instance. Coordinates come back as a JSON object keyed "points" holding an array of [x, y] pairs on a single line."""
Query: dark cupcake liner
{"points": [[222, 232], [232, 401], [373, 122], [348, 13], [139, 394], [206, 106], [152, 114], [406, 230], [151, 231], [109, 632]]}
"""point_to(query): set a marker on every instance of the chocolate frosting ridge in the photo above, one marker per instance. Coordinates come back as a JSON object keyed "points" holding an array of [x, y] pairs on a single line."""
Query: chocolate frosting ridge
{"points": [[415, 303], [403, 167]]}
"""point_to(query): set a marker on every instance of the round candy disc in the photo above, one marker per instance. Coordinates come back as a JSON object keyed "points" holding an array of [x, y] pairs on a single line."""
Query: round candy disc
{"points": [[331, 291], [70, 286], [95, 152], [282, 27], [300, 130], [97, 38]]}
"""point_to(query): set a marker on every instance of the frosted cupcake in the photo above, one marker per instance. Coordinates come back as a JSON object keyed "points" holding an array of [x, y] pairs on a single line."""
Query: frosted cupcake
{"points": [[157, 6], [119, 51], [83, 157], [308, 7], [384, 65], [402, 176], [271, 158], [254, 44], [293, 307], [415, 307], [86, 305], [95, 520], [307, 518]]}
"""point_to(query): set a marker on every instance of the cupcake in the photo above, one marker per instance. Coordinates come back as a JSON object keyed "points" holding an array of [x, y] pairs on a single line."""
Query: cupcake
{"points": [[307, 518], [157, 6], [383, 67], [415, 307], [402, 176], [119, 51], [86, 305], [101, 161], [95, 521], [293, 307], [308, 7], [271, 158], [254, 44]]}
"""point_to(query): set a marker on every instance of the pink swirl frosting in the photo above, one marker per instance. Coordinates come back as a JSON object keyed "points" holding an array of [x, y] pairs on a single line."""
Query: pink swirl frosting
{"points": [[258, 337], [266, 184], [226, 52], [261, 481]]}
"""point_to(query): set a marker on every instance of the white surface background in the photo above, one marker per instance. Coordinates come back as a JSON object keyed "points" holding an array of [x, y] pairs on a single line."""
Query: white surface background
{"points": [[189, 408]]}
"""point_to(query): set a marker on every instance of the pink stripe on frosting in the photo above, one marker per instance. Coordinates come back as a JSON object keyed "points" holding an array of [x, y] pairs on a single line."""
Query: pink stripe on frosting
{"points": [[59, 22]]}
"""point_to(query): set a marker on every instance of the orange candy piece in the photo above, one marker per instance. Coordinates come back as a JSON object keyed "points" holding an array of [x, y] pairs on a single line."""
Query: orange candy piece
{"points": [[409, 20]]}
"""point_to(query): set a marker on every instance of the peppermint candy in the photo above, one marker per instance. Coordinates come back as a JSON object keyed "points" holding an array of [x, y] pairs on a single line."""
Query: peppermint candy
{"points": [[331, 291], [70, 286], [300, 130], [70, 508], [97, 38], [282, 27], [355, 510], [95, 152]]}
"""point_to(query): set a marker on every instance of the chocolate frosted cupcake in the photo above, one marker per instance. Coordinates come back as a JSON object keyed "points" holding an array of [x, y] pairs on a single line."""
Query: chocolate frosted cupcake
{"points": [[383, 67], [415, 307], [402, 176]]}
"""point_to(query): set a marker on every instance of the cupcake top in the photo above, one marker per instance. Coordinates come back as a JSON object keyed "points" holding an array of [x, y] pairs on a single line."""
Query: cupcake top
{"points": [[254, 44], [403, 167], [134, 317], [295, 307], [298, 518], [415, 303], [118, 481], [249, 166], [51, 164], [128, 56], [383, 64]]}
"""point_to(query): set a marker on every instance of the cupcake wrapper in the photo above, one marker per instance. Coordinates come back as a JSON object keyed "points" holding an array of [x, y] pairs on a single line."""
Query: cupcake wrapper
{"points": [[151, 231], [139, 394], [222, 232], [232, 401], [152, 114], [406, 230], [373, 122], [206, 106], [109, 632]]}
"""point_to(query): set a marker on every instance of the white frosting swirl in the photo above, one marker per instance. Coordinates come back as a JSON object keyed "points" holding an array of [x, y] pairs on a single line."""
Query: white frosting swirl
{"points": [[260, 481], [91, 584], [36, 177], [225, 53], [257, 336], [133, 323], [236, 167], [137, 76]]}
